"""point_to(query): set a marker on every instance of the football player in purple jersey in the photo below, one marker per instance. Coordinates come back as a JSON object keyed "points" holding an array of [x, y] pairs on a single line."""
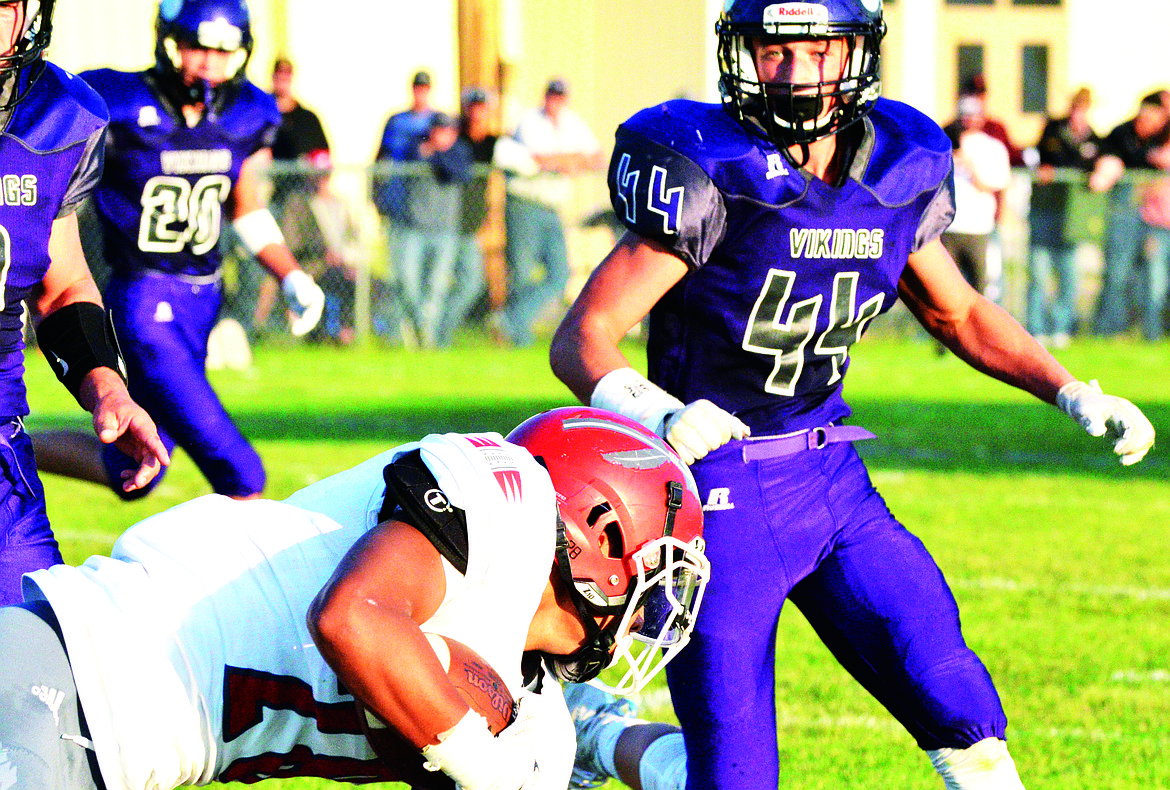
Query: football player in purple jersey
{"points": [[51, 131], [188, 139], [763, 237]]}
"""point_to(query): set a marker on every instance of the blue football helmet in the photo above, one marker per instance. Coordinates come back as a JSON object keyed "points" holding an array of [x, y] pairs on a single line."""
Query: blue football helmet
{"points": [[20, 68], [223, 25], [790, 114]]}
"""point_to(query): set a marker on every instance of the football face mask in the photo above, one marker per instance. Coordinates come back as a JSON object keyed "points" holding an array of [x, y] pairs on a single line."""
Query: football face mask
{"points": [[664, 602]]}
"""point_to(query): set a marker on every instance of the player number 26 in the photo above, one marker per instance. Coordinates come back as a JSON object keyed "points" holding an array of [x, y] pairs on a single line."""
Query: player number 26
{"points": [[176, 213]]}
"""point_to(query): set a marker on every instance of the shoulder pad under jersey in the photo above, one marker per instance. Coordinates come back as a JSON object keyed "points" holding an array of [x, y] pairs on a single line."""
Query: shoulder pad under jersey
{"points": [[59, 111], [251, 113], [907, 154], [414, 497]]}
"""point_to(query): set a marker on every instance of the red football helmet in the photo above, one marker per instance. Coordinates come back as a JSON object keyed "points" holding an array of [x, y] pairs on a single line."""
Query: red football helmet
{"points": [[631, 545]]}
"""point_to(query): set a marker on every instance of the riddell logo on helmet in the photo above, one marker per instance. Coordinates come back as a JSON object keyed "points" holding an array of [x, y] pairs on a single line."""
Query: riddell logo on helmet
{"points": [[783, 14]]}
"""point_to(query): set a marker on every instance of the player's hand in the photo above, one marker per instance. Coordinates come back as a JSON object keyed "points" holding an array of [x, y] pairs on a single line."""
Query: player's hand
{"points": [[700, 427], [1100, 414], [120, 421], [477, 760], [306, 301]]}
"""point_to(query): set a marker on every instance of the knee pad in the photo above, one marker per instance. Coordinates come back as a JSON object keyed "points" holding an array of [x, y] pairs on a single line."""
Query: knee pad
{"points": [[985, 765]]}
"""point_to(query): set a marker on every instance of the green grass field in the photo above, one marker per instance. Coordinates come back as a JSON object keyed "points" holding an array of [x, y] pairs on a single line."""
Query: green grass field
{"points": [[1058, 555]]}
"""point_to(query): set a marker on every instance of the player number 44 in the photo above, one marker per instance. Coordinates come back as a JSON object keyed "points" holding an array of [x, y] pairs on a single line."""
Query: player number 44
{"points": [[786, 336]]}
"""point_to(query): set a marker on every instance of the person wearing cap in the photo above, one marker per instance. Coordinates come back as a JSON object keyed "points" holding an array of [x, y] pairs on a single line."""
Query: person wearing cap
{"points": [[560, 145], [468, 280], [1139, 144], [389, 189], [982, 169], [431, 211]]}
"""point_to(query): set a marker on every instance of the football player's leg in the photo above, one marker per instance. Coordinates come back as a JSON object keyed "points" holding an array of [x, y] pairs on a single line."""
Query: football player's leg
{"points": [[44, 744], [26, 540], [168, 322], [881, 605], [723, 684]]}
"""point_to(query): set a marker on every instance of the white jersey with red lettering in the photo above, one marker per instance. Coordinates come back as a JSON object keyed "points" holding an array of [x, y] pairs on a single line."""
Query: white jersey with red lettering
{"points": [[189, 644]]}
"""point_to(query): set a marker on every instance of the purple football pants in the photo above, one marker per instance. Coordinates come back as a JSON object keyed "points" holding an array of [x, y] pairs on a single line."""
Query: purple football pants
{"points": [[163, 323], [26, 541], [811, 528]]}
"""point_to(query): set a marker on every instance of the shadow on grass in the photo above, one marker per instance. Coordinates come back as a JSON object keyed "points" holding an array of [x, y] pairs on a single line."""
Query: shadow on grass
{"points": [[956, 437]]}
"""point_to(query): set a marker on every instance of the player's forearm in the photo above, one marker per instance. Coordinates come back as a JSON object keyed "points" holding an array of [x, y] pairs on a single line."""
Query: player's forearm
{"points": [[582, 351], [385, 661], [278, 259], [993, 342]]}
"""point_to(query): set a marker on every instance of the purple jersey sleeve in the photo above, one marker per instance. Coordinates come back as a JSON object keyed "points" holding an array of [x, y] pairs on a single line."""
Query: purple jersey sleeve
{"points": [[48, 161]]}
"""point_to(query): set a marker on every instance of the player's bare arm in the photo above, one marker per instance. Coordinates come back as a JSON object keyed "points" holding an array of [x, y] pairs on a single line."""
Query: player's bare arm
{"points": [[262, 237], [976, 329], [620, 291], [116, 417], [985, 336], [366, 624]]}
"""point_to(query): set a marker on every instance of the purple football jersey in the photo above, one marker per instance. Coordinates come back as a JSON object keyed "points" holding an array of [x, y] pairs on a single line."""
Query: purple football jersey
{"points": [[50, 158], [161, 201], [786, 271]]}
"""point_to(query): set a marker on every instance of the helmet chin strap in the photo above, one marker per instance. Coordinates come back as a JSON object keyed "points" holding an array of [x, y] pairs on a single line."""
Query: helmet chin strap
{"points": [[587, 661]]}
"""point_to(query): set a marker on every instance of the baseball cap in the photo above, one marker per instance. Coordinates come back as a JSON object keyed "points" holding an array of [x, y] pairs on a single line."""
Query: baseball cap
{"points": [[473, 95], [557, 86], [441, 119], [421, 78]]}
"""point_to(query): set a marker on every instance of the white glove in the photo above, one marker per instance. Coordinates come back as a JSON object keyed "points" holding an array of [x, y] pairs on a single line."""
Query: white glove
{"points": [[700, 427], [693, 430], [543, 721], [305, 299], [1099, 414], [477, 760]]}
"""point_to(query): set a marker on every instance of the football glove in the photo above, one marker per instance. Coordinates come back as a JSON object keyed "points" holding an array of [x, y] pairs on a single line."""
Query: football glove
{"points": [[477, 760], [700, 427], [1100, 414], [306, 300], [693, 429]]}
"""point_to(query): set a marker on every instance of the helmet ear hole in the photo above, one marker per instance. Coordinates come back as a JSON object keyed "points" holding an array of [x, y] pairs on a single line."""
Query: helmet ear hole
{"points": [[597, 512], [612, 542]]}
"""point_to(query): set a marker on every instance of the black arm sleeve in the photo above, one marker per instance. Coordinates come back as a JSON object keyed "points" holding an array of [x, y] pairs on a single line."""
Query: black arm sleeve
{"points": [[413, 496]]}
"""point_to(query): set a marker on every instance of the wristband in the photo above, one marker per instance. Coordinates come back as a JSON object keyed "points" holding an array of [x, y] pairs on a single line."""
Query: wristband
{"points": [[257, 229], [630, 394], [76, 339]]}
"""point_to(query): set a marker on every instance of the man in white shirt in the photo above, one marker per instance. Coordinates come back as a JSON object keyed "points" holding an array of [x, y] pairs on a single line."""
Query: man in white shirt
{"points": [[982, 169], [561, 145]]}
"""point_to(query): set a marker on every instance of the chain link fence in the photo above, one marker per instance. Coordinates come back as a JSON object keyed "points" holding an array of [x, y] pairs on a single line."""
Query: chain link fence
{"points": [[353, 248]]}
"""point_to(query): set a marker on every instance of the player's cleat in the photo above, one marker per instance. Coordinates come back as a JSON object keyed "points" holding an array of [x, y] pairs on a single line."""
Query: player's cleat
{"points": [[592, 709]]}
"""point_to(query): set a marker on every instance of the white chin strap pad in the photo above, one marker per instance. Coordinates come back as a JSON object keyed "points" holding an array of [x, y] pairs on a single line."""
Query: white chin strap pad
{"points": [[985, 765]]}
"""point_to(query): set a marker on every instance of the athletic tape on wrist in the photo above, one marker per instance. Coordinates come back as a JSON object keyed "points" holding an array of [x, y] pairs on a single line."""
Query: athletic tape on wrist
{"points": [[257, 229], [629, 393]]}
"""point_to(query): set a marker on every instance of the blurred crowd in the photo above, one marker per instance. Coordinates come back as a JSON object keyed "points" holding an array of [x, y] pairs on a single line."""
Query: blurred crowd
{"points": [[1067, 166], [436, 180], [454, 194]]}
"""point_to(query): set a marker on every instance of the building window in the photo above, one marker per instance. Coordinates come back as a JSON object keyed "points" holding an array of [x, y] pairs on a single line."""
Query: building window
{"points": [[1035, 73], [1037, 2], [970, 2], [969, 63]]}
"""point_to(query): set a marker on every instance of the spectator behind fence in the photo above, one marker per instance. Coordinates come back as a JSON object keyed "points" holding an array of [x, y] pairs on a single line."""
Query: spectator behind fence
{"points": [[431, 222], [467, 281], [300, 132], [977, 86], [1137, 145], [537, 257], [981, 170], [320, 230], [399, 138], [1068, 142]]}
